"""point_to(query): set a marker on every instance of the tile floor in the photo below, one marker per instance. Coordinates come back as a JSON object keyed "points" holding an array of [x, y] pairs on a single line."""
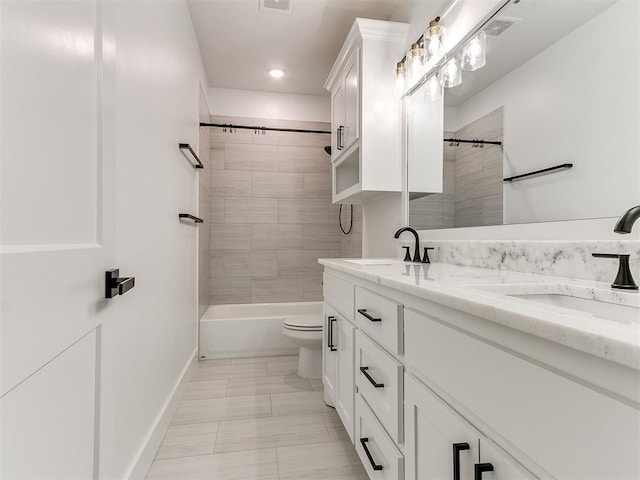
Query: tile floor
{"points": [[254, 418]]}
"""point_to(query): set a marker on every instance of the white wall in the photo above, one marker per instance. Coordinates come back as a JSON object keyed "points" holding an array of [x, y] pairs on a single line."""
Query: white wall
{"points": [[144, 352], [568, 105], [277, 106]]}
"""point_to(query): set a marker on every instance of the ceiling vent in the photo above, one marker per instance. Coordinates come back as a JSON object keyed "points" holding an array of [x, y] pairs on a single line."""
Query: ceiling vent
{"points": [[498, 26], [278, 6]]}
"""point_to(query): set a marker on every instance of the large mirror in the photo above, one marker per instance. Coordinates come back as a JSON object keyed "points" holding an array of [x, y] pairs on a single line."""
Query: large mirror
{"points": [[559, 91]]}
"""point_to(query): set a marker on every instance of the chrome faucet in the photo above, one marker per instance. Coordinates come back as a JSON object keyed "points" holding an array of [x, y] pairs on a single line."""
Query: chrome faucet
{"points": [[626, 221], [416, 253]]}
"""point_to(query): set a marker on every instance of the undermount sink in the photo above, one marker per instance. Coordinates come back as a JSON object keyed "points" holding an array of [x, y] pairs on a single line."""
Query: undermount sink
{"points": [[595, 308], [367, 261]]}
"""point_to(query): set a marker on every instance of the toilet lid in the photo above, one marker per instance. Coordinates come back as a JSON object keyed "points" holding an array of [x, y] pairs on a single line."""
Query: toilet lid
{"points": [[309, 321]]}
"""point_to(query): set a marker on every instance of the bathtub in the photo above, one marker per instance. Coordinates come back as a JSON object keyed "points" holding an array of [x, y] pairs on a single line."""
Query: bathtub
{"points": [[249, 330]]}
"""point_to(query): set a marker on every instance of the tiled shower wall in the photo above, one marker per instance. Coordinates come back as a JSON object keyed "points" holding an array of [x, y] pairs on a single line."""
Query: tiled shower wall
{"points": [[271, 213], [472, 193], [204, 180]]}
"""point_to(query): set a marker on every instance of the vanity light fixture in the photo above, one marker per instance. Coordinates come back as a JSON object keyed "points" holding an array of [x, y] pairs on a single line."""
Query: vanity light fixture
{"points": [[416, 66], [433, 37], [401, 79], [275, 73], [451, 73], [474, 54]]}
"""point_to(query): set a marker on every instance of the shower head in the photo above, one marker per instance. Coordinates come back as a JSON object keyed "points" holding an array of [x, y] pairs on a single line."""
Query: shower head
{"points": [[327, 150]]}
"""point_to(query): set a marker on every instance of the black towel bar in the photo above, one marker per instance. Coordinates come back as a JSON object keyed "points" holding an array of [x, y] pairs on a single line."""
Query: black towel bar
{"points": [[538, 172], [188, 216], [186, 146]]}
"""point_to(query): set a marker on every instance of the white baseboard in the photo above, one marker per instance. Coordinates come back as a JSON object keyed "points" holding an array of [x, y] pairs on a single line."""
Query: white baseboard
{"points": [[147, 453]]}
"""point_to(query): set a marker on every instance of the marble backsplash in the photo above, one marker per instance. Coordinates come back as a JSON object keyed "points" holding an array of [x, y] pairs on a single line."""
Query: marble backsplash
{"points": [[559, 258]]}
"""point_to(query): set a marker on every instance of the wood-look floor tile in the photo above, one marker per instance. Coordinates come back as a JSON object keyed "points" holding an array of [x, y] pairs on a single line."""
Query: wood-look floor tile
{"points": [[215, 409], [330, 460], [283, 367], [205, 389], [245, 465], [298, 403], [271, 384], [188, 440], [218, 372], [235, 435], [316, 384]]}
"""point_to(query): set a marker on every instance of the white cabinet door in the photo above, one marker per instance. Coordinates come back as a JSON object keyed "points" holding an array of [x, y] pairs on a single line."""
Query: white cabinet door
{"points": [[441, 444], [352, 100], [435, 439], [346, 381], [57, 229], [330, 355], [504, 467]]}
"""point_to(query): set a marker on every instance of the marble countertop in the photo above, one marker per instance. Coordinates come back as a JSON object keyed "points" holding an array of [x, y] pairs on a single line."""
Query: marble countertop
{"points": [[486, 293]]}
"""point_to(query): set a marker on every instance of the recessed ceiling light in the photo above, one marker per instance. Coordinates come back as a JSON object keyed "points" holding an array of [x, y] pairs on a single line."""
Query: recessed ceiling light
{"points": [[276, 73]]}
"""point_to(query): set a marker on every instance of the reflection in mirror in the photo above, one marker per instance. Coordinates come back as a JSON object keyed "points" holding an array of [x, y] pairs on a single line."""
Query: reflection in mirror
{"points": [[560, 86]]}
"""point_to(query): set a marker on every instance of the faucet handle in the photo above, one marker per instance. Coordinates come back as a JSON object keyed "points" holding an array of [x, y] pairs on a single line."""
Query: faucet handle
{"points": [[624, 279], [407, 255], [425, 259]]}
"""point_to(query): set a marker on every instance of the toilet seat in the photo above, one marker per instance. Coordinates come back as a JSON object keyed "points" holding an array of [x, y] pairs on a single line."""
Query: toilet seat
{"points": [[311, 322]]}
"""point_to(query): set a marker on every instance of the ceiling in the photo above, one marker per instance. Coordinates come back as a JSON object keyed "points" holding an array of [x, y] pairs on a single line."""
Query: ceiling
{"points": [[240, 43]]}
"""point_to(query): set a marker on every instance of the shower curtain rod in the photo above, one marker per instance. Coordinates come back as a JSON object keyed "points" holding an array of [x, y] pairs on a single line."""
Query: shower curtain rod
{"points": [[480, 142], [262, 129]]}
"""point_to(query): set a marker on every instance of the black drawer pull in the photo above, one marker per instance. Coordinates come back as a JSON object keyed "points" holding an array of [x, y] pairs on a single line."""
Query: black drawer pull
{"points": [[479, 468], [331, 346], [374, 465], [373, 382], [457, 448], [363, 312]]}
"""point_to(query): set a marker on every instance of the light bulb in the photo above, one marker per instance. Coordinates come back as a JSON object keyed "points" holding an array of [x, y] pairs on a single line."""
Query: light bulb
{"points": [[433, 88], [435, 45], [452, 73], [415, 64], [401, 79], [474, 55]]}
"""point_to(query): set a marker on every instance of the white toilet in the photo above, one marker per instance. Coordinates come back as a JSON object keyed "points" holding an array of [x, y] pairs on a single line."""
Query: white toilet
{"points": [[306, 331]]}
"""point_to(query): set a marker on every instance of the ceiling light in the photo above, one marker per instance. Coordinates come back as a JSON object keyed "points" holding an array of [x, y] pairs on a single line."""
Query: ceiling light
{"points": [[276, 73]]}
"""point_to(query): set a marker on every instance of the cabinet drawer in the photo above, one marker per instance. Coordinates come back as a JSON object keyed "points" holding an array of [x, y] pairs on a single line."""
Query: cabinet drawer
{"points": [[339, 293], [381, 318], [523, 404], [379, 379], [374, 446]]}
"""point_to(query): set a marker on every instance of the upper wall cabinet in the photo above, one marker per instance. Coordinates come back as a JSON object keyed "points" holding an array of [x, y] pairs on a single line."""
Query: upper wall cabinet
{"points": [[366, 140]]}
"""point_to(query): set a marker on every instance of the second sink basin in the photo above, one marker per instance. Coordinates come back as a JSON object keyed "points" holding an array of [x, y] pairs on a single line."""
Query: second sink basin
{"points": [[604, 310]]}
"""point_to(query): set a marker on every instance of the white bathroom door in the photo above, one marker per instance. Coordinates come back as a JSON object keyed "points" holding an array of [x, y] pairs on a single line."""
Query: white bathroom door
{"points": [[57, 231]]}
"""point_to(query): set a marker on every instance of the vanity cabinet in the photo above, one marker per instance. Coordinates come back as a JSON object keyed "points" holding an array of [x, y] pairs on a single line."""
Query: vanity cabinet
{"points": [[366, 138], [426, 376], [338, 349], [345, 396]]}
